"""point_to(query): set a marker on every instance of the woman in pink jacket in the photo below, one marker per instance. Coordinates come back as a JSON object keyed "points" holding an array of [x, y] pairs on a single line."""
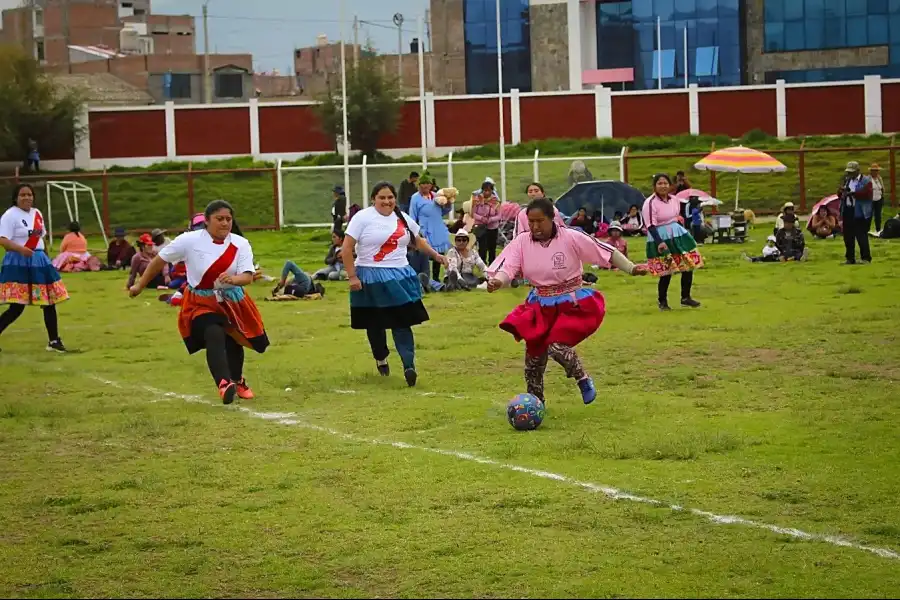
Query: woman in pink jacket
{"points": [[670, 247], [559, 313], [486, 212]]}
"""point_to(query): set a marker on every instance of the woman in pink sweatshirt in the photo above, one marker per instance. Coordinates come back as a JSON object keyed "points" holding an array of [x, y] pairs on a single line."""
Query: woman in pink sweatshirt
{"points": [[486, 212]]}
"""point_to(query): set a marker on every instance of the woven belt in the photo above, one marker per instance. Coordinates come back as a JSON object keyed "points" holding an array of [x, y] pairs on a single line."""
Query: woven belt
{"points": [[566, 287]]}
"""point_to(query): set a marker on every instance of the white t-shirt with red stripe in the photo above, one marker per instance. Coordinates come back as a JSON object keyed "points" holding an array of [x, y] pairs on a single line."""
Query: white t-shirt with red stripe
{"points": [[199, 252], [17, 226], [381, 241]]}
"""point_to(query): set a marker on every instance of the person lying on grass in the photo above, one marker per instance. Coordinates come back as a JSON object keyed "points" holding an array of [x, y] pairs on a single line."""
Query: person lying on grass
{"points": [[300, 286]]}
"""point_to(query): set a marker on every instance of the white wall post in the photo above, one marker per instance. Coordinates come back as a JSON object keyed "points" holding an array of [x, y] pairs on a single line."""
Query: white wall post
{"points": [[537, 165], [694, 108], [254, 128], [781, 108], [171, 146], [874, 122], [573, 14], [515, 118], [603, 116], [280, 192], [82, 153], [430, 133]]}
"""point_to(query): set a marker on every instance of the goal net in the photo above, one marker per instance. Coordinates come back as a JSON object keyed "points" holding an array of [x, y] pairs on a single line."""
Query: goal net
{"points": [[70, 193]]}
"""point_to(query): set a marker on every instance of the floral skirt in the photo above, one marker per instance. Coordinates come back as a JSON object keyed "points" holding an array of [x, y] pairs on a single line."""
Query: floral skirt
{"points": [[568, 319], [682, 254], [31, 281]]}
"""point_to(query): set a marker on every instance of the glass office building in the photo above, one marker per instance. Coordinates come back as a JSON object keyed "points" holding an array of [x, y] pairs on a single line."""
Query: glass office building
{"points": [[645, 35], [480, 23], [795, 25]]}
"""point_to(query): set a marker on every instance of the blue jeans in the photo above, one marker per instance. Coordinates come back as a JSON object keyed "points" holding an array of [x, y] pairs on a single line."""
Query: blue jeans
{"points": [[403, 340], [330, 272], [301, 279]]}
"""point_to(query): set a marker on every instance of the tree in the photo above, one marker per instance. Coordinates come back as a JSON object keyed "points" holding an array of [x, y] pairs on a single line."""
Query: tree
{"points": [[373, 105], [33, 107]]}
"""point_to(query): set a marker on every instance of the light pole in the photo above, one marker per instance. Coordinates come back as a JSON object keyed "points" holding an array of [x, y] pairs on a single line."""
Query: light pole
{"points": [[346, 137], [500, 101]]}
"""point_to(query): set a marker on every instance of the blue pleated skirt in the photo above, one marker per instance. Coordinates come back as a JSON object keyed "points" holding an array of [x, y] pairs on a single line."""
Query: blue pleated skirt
{"points": [[31, 280], [390, 298]]}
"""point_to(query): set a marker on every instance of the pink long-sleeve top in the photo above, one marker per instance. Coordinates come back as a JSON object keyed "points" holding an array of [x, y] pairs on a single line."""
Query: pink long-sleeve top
{"points": [[557, 264], [658, 212], [487, 213], [522, 220]]}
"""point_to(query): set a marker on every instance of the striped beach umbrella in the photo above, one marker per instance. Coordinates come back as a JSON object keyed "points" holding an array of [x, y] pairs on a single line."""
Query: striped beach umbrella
{"points": [[739, 159]]}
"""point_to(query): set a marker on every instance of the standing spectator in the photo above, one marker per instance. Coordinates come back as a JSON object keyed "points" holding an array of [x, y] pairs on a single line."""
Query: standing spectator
{"points": [[877, 194], [429, 215], [33, 160], [339, 206], [486, 212], [681, 182], [856, 212], [790, 242], [407, 189]]}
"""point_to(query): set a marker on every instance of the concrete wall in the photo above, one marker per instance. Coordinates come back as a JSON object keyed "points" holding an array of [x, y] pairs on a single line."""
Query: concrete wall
{"points": [[550, 46], [758, 62], [448, 43]]}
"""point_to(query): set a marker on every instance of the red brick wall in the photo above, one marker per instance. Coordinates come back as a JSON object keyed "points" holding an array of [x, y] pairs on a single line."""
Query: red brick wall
{"points": [[469, 121], [890, 107], [826, 110], [291, 129], [548, 117], [127, 134], [212, 131], [651, 115], [409, 129], [734, 113]]}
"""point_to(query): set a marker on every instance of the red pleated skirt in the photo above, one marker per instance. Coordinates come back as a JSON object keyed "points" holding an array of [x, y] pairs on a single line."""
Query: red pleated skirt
{"points": [[561, 320]]}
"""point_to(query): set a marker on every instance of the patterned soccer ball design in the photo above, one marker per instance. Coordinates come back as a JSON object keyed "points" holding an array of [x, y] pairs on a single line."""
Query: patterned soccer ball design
{"points": [[525, 412]]}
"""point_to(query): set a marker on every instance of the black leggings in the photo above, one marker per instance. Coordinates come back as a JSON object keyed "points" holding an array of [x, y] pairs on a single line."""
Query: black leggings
{"points": [[50, 320], [224, 356], [435, 270], [487, 245], [687, 280]]}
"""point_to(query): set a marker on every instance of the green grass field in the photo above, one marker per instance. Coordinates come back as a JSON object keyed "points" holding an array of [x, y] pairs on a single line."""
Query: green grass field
{"points": [[776, 402], [148, 198]]}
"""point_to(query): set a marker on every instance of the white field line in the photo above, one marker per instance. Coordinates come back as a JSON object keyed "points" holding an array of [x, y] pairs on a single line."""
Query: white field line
{"points": [[288, 419]]}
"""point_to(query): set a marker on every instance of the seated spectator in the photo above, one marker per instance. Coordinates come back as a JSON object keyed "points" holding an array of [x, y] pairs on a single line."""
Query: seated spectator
{"points": [[461, 262], [891, 229], [73, 254], [790, 242], [161, 241], [580, 220], [787, 209], [823, 224], [633, 223], [460, 222], [334, 266], [146, 252], [301, 285], [770, 252], [120, 252], [614, 238]]}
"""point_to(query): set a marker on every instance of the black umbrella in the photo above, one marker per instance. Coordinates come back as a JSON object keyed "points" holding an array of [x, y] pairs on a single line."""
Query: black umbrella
{"points": [[606, 197]]}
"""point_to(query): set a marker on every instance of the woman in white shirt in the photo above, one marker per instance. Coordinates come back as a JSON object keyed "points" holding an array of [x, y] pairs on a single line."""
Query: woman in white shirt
{"points": [[215, 313], [877, 194], [385, 292], [27, 276]]}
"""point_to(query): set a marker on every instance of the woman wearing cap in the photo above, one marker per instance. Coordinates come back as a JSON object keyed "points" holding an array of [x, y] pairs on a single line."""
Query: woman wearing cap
{"points": [[216, 313], [670, 247], [139, 263], [430, 215], [486, 212], [384, 290], [877, 194], [461, 263], [120, 251], [559, 313], [27, 278]]}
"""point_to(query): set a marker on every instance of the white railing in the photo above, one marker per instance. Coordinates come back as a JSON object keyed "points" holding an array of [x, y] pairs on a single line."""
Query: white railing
{"points": [[301, 199]]}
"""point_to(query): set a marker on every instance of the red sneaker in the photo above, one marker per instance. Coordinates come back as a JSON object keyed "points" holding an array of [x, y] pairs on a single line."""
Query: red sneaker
{"points": [[244, 391], [227, 390]]}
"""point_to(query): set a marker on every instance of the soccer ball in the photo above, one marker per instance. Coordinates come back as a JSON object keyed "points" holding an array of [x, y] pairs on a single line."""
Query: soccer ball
{"points": [[525, 412]]}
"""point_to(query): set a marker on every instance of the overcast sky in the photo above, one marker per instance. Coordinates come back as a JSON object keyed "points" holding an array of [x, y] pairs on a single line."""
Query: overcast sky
{"points": [[271, 29]]}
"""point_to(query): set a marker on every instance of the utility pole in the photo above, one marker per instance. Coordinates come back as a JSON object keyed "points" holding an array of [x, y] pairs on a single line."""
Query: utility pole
{"points": [[428, 29], [355, 41], [67, 33], [398, 21], [207, 79]]}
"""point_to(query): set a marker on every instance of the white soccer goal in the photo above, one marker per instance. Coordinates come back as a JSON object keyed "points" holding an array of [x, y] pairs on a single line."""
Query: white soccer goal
{"points": [[70, 192]]}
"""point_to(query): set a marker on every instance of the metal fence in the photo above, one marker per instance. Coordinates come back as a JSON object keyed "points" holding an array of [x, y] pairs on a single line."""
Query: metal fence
{"points": [[269, 198], [306, 192]]}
